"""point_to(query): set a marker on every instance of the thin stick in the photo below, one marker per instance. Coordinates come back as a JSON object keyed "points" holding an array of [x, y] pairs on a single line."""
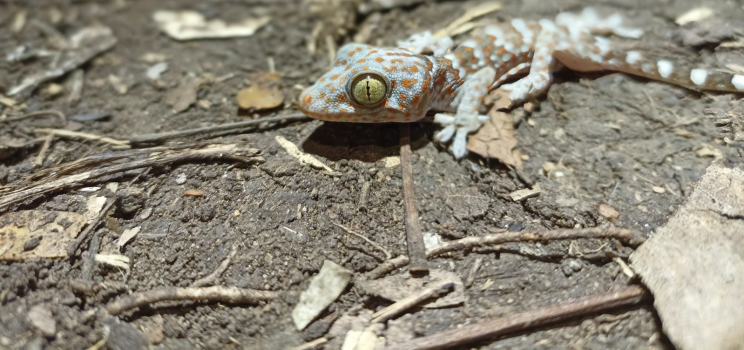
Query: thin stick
{"points": [[507, 237], [44, 148], [76, 243], [379, 247], [89, 262], [633, 295], [82, 135], [216, 273], [147, 139], [61, 116], [232, 152], [473, 271], [233, 295], [414, 237], [411, 301], [311, 344]]}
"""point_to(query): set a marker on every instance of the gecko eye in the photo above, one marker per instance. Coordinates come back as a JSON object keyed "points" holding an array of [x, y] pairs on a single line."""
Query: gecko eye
{"points": [[368, 89]]}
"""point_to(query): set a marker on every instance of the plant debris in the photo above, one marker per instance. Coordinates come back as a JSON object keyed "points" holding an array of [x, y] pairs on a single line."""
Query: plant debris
{"points": [[324, 288], [191, 25], [693, 263], [399, 287], [85, 45], [264, 93], [496, 139], [38, 234]]}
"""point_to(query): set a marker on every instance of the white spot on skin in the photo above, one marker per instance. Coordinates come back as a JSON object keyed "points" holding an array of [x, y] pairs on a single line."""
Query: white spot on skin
{"points": [[521, 27], [469, 43], [647, 67], [698, 76], [665, 68], [738, 82], [632, 57]]}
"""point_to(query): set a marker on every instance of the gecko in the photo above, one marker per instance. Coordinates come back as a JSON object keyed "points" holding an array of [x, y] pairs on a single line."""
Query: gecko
{"points": [[425, 73]]}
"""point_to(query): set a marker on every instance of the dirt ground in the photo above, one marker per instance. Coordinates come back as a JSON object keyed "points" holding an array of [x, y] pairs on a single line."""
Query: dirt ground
{"points": [[635, 145]]}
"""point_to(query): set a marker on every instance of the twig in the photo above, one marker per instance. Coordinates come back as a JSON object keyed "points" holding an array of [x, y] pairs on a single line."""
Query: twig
{"points": [[233, 295], [90, 288], [89, 263], [363, 197], [522, 321], [83, 235], [234, 152], [473, 271], [76, 91], [507, 237], [411, 301], [149, 139], [216, 274], [311, 344], [414, 237], [379, 247], [82, 135], [61, 116], [44, 149]]}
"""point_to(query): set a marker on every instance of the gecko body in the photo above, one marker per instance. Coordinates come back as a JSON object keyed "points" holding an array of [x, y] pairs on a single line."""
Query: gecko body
{"points": [[372, 85]]}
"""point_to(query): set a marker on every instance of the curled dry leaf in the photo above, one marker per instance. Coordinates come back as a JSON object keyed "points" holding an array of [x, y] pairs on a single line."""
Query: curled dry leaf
{"points": [[496, 139], [323, 290], [184, 95], [264, 92]]}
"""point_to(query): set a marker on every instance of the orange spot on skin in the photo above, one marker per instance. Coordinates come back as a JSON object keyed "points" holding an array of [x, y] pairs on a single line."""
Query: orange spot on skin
{"points": [[387, 69], [334, 77], [491, 38], [413, 69], [416, 99], [342, 110], [333, 89], [402, 97], [401, 106], [322, 79], [341, 97], [328, 85], [351, 53], [478, 41], [458, 55], [307, 100], [358, 49], [362, 60], [501, 51], [343, 63], [347, 67], [429, 65], [379, 59], [354, 71], [322, 95], [406, 83], [365, 68], [328, 100], [393, 84]]}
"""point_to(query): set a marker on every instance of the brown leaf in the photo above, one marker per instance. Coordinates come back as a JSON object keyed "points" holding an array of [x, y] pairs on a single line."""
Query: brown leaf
{"points": [[184, 95], [193, 193], [264, 92], [496, 139]]}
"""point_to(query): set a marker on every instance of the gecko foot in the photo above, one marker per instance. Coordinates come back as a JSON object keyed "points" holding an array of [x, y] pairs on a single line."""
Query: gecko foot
{"points": [[459, 126]]}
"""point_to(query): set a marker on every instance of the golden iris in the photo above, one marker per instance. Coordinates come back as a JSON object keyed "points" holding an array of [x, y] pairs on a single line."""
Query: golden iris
{"points": [[368, 89]]}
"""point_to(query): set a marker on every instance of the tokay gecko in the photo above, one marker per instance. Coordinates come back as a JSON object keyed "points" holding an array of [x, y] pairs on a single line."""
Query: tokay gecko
{"points": [[375, 85]]}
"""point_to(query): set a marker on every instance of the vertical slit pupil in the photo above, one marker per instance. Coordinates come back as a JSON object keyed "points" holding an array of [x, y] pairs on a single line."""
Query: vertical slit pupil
{"points": [[369, 96]]}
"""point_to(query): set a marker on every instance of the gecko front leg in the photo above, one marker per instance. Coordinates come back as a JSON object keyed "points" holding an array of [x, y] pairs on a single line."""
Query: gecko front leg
{"points": [[466, 118]]}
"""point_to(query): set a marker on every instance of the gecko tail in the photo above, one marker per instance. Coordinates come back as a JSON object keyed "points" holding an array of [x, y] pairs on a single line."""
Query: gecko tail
{"points": [[669, 72]]}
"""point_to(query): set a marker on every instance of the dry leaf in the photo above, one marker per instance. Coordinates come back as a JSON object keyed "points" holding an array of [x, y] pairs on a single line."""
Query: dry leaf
{"points": [[191, 25], [324, 288], [184, 95], [496, 139], [94, 207], [38, 233], [115, 260], [127, 235], [694, 263], [264, 92], [397, 287]]}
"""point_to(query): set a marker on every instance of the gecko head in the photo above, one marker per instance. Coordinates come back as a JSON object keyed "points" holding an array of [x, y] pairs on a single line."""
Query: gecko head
{"points": [[371, 85]]}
